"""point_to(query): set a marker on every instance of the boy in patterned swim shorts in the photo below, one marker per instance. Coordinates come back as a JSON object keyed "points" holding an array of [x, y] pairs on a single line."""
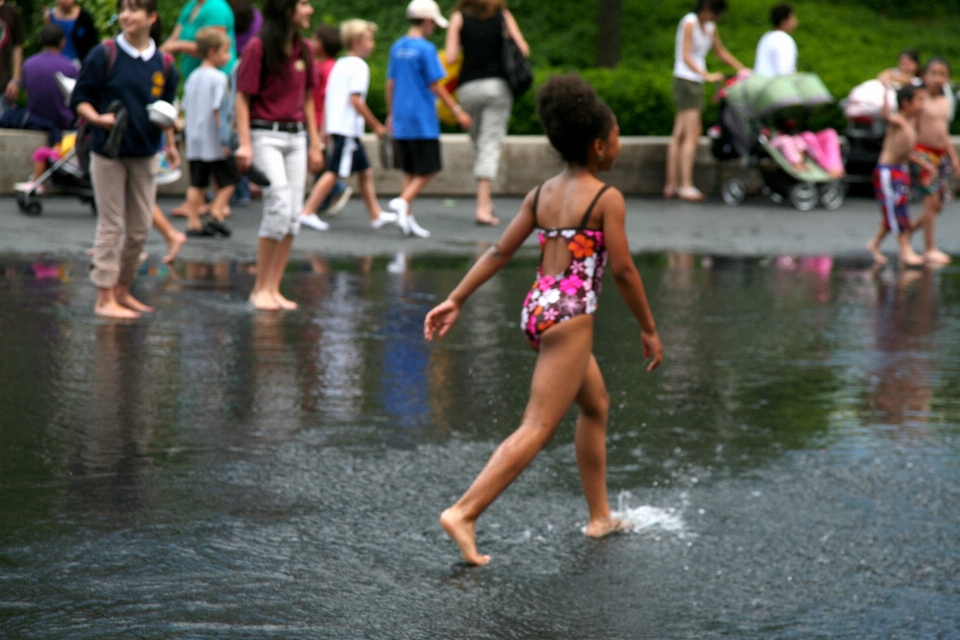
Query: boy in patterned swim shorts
{"points": [[891, 178], [934, 159]]}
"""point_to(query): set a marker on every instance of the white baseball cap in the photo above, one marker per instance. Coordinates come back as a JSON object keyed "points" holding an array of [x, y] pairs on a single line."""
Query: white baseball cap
{"points": [[427, 10]]}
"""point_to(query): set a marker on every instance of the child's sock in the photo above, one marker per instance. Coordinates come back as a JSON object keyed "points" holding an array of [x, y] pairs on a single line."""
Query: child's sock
{"points": [[382, 219]]}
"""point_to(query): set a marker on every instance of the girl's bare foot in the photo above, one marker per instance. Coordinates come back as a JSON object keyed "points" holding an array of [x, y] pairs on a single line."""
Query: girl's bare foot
{"points": [[603, 527], [173, 247], [463, 533], [115, 310], [125, 299], [285, 304], [935, 256], [874, 250], [263, 301]]}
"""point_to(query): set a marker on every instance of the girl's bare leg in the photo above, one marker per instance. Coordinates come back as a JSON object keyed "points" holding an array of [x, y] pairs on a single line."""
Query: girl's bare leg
{"points": [[557, 380], [175, 239], [590, 442], [485, 202], [260, 297], [279, 265], [673, 157], [688, 148]]}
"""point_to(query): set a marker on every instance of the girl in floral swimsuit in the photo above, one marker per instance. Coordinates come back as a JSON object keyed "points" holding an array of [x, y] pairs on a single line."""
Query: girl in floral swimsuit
{"points": [[553, 299], [558, 312]]}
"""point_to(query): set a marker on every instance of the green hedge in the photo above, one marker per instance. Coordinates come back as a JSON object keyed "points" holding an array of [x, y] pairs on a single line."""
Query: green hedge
{"points": [[844, 41]]}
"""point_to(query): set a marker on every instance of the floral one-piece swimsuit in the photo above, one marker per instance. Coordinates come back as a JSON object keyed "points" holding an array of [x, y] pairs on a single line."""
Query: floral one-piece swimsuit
{"points": [[556, 298]]}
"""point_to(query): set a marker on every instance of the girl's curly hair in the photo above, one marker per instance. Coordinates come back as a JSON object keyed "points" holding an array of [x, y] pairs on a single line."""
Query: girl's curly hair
{"points": [[572, 116]]}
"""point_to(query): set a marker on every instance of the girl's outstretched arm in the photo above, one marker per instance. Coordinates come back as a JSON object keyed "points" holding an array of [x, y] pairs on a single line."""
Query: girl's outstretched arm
{"points": [[441, 318], [625, 274]]}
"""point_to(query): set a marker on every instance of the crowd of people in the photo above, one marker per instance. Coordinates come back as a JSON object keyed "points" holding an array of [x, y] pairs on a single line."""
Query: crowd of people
{"points": [[264, 107]]}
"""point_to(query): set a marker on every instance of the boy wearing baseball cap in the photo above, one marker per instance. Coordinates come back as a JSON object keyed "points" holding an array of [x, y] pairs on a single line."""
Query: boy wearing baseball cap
{"points": [[413, 85]]}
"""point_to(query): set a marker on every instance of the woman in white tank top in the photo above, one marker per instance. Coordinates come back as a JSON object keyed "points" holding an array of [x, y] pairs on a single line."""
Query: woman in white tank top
{"points": [[696, 36]]}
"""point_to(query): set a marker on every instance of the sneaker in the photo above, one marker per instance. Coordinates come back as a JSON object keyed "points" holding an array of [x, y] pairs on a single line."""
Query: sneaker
{"points": [[401, 207], [416, 229], [314, 222], [382, 219], [340, 202]]}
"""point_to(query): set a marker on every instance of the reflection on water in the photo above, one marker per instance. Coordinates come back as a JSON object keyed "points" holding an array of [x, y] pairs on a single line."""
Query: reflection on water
{"points": [[215, 472]]}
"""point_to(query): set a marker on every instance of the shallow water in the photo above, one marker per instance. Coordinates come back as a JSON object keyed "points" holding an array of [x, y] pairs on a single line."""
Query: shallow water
{"points": [[791, 471]]}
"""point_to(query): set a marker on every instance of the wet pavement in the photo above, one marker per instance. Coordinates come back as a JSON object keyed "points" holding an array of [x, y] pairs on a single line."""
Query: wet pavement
{"points": [[757, 228], [210, 472]]}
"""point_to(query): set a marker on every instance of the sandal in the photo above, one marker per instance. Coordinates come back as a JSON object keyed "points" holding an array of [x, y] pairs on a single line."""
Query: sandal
{"points": [[690, 194]]}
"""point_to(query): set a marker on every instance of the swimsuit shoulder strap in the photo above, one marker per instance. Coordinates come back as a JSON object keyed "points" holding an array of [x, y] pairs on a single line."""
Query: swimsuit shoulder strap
{"points": [[536, 200], [586, 216]]}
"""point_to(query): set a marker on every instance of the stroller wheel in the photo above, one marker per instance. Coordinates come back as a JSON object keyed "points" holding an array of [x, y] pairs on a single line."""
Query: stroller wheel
{"points": [[34, 208], [832, 194], [734, 191], [804, 196]]}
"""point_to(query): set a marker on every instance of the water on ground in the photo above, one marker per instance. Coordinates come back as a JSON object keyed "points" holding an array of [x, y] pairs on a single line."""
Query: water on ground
{"points": [[211, 472]]}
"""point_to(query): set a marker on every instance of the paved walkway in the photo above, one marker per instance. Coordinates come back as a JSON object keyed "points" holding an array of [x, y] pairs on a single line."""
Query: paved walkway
{"points": [[759, 227]]}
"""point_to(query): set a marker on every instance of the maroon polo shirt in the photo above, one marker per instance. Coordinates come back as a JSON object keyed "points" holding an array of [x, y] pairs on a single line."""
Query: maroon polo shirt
{"points": [[280, 97]]}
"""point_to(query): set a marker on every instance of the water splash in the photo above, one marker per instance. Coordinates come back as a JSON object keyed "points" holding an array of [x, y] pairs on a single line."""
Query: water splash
{"points": [[646, 517]]}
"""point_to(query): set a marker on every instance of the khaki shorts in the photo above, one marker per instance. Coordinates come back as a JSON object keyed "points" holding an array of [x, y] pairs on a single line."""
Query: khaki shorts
{"points": [[687, 94]]}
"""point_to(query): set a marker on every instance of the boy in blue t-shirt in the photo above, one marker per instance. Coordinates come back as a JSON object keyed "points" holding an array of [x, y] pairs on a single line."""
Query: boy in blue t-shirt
{"points": [[413, 85]]}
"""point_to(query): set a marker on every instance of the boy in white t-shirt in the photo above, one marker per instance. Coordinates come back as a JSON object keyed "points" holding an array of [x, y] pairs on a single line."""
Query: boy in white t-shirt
{"points": [[203, 96], [345, 112], [776, 51]]}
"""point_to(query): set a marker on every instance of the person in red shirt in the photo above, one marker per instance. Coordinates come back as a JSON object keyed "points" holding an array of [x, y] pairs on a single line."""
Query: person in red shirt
{"points": [[277, 130]]}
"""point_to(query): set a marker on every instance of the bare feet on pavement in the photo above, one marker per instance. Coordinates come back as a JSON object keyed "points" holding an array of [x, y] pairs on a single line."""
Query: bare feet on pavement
{"points": [[603, 527], [173, 247], [264, 301], [874, 250], [124, 298], [285, 304], [115, 310], [462, 532], [912, 259], [935, 256]]}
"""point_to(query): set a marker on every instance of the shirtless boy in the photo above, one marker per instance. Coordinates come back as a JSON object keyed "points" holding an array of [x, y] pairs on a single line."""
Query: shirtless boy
{"points": [[891, 178], [934, 159]]}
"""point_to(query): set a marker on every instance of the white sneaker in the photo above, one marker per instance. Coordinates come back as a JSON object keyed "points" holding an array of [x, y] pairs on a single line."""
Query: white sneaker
{"points": [[314, 222], [416, 229], [382, 219], [401, 206], [341, 202]]}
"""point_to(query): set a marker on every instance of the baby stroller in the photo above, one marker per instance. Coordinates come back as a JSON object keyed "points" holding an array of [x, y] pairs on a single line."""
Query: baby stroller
{"points": [[70, 174], [749, 107]]}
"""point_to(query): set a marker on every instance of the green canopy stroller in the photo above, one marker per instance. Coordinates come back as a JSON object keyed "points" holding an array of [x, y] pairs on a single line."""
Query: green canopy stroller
{"points": [[750, 106]]}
